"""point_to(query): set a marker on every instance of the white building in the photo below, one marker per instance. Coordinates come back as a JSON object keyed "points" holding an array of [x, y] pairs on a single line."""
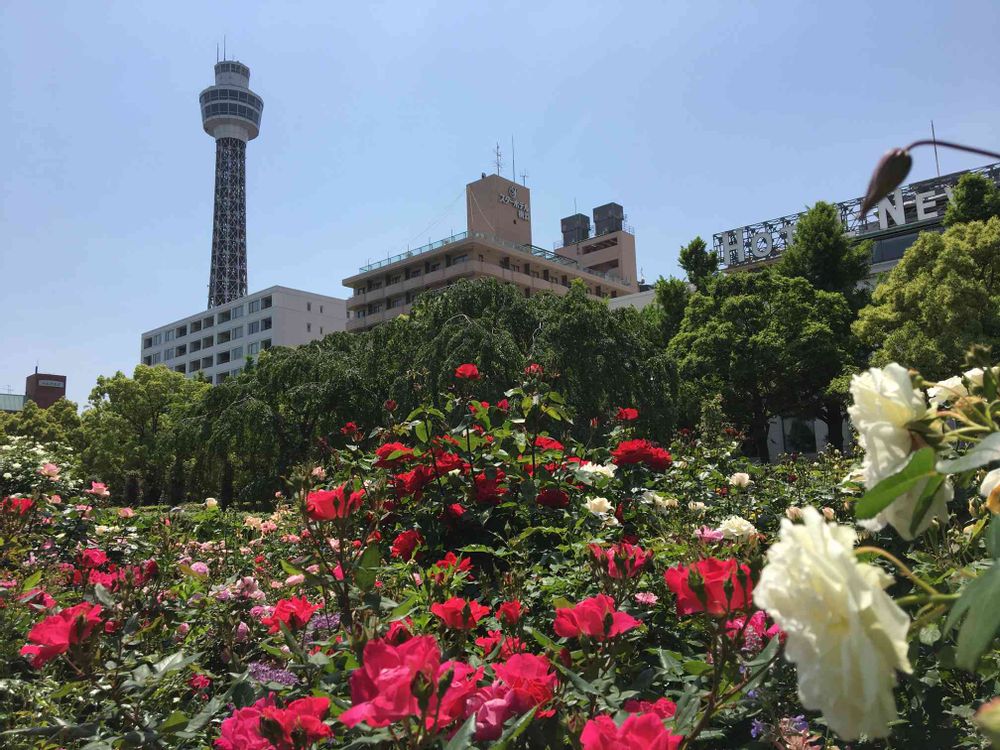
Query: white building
{"points": [[217, 341]]}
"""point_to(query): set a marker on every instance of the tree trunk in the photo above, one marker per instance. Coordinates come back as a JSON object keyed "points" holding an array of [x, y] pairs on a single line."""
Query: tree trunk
{"points": [[226, 491]]}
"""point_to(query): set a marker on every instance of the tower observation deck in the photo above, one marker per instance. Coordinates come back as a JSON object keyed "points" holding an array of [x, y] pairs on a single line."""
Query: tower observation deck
{"points": [[230, 113]]}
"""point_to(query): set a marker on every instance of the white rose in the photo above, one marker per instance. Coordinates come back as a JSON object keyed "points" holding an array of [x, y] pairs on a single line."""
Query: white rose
{"points": [[990, 489], [599, 505], [846, 637], [736, 527], [793, 513], [740, 479], [599, 470], [947, 390], [211, 502], [885, 402], [611, 521], [696, 506]]}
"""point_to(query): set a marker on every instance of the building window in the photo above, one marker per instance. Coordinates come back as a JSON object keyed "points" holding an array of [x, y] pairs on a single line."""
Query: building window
{"points": [[321, 309], [321, 330], [433, 267], [221, 377], [179, 368], [265, 302], [222, 358], [223, 337], [237, 311], [236, 353], [265, 324], [309, 327], [156, 358], [168, 335], [147, 342], [254, 306], [168, 353], [253, 348], [157, 339], [208, 322], [309, 306], [224, 317], [194, 365], [195, 326], [181, 350], [206, 362], [147, 360], [182, 331], [238, 332], [195, 346], [253, 327], [236, 372], [208, 342], [265, 344]]}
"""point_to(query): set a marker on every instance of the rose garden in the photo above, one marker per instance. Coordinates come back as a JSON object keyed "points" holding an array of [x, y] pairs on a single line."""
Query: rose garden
{"points": [[519, 539]]}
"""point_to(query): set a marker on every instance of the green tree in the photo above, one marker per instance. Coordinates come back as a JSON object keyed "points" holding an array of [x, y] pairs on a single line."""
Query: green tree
{"points": [[822, 253], [60, 423], [767, 343], [672, 296], [699, 263], [135, 426], [942, 297], [975, 198]]}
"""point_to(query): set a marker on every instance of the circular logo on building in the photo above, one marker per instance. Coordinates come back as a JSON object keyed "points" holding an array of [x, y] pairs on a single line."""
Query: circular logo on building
{"points": [[512, 191]]}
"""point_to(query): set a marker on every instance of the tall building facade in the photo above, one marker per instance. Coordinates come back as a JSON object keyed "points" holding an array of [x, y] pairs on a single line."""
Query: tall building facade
{"points": [[230, 113], [497, 244]]}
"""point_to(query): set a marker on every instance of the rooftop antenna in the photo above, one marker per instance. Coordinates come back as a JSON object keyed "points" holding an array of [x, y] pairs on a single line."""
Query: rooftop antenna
{"points": [[524, 176], [934, 138], [499, 158], [224, 47], [216, 53]]}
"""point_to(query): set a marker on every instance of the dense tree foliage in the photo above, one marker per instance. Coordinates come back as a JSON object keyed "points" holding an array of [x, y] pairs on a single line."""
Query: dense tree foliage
{"points": [[769, 344], [976, 198], [699, 263], [60, 423], [940, 299]]}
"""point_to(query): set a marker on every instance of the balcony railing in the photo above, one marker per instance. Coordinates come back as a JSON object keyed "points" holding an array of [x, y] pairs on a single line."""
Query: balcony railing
{"points": [[593, 235], [538, 252]]}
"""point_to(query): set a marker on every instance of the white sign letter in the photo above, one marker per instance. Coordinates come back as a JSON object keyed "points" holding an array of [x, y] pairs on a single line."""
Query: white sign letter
{"points": [[923, 206], [761, 252], [886, 208]]}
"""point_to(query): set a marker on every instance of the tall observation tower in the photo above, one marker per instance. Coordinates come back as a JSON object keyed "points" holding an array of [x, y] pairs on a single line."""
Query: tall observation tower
{"points": [[230, 113]]}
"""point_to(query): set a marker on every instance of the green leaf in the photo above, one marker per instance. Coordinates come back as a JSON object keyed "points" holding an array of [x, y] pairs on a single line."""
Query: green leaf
{"points": [[405, 608], [368, 567], [979, 602], [103, 596], [31, 581], [920, 466], [543, 640], [173, 723], [697, 667], [993, 537], [463, 737], [924, 501], [580, 683], [420, 430], [987, 451], [515, 730], [290, 569]]}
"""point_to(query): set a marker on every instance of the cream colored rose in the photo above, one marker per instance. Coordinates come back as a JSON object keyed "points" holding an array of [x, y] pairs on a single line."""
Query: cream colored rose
{"points": [[598, 470], [696, 506], [990, 489], [793, 513], [740, 479], [211, 502], [948, 390], [845, 635], [599, 505], [885, 403], [736, 527]]}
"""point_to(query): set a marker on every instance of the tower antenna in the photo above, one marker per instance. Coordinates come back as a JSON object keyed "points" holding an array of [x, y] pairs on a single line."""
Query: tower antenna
{"points": [[224, 47], [934, 138], [216, 53], [524, 176], [499, 158], [513, 168]]}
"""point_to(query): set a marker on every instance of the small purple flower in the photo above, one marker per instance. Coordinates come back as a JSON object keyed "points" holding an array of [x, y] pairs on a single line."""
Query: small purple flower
{"points": [[758, 728], [799, 723], [265, 673]]}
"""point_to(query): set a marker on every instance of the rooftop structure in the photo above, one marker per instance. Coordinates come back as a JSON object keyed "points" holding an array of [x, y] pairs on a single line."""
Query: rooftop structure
{"points": [[497, 244], [893, 225]]}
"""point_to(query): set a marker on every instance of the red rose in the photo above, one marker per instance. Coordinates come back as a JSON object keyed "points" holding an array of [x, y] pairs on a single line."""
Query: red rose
{"points": [[390, 404], [300, 724], [548, 444], [711, 577], [413, 482], [663, 707], [488, 489], [626, 414], [509, 613], [54, 635], [199, 682], [399, 631], [637, 732], [17, 505], [503, 404], [294, 613], [467, 372], [508, 646], [552, 497], [349, 429], [391, 455], [595, 618], [623, 560], [241, 730], [406, 544], [327, 505], [530, 678], [533, 370], [92, 558], [641, 452], [445, 462], [454, 565], [459, 613]]}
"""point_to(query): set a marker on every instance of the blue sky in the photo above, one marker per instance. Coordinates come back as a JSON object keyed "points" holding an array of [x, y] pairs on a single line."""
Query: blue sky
{"points": [[697, 117]]}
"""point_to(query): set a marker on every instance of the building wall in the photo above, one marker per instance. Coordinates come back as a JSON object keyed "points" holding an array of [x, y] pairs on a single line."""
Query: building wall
{"points": [[44, 388], [497, 206], [228, 334], [609, 253], [396, 284]]}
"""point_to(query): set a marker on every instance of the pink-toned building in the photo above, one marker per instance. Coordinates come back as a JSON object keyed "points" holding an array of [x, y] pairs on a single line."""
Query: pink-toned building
{"points": [[497, 244]]}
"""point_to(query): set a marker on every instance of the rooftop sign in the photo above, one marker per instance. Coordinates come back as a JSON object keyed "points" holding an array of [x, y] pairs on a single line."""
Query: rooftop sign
{"points": [[916, 204]]}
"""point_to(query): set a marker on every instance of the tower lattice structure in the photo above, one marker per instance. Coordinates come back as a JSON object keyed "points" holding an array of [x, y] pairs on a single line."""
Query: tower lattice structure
{"points": [[230, 113]]}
